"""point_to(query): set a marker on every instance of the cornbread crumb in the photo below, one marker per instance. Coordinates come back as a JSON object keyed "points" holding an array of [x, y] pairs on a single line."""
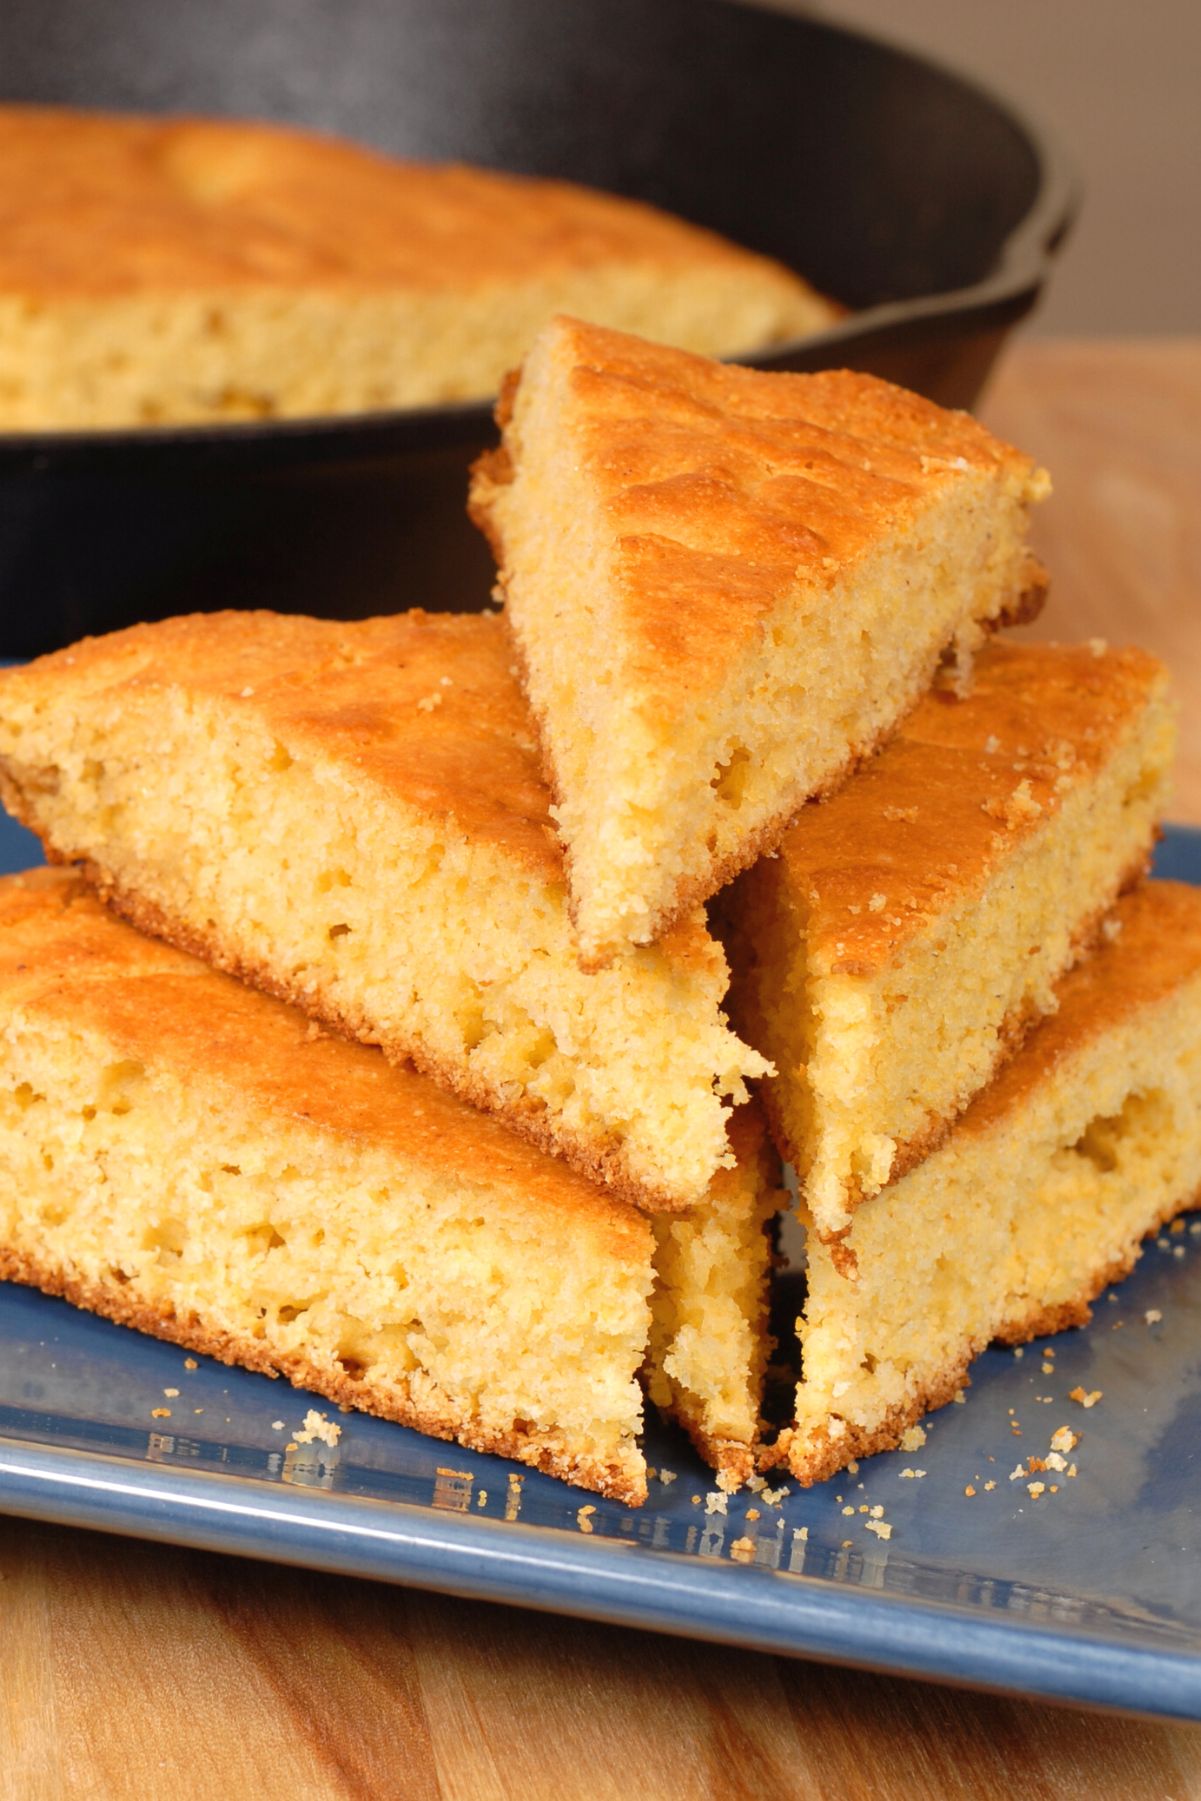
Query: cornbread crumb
{"points": [[914, 1475], [912, 1438], [1036, 1488], [752, 1513], [1064, 1439], [667, 1477], [715, 1501], [877, 1512], [969, 1490], [481, 1499], [743, 1550], [1085, 1400], [160, 1413], [1153, 1316], [881, 1528], [316, 1426], [172, 1394], [277, 1425], [801, 1534], [584, 1518], [190, 1363], [989, 1486]]}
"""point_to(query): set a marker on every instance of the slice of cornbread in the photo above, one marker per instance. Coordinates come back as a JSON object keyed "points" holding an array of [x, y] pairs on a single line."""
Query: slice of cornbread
{"points": [[190, 269], [352, 817], [912, 927], [709, 1341], [1085, 1142], [726, 587], [194, 1159]]}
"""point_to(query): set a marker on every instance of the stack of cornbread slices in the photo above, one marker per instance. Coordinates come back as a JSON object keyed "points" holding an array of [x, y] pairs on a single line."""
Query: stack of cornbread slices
{"points": [[377, 1037]]}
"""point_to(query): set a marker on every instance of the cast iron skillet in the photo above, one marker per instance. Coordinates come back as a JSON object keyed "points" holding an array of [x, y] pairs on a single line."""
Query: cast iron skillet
{"points": [[923, 203]]}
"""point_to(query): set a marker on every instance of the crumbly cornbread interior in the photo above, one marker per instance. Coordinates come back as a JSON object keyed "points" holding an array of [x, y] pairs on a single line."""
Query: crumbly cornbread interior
{"points": [[725, 588], [1085, 1142], [352, 816], [184, 1154], [912, 928], [166, 270], [709, 1342]]}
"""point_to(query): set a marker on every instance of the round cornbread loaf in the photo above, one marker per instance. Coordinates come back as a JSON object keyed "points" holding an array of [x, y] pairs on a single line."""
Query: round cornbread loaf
{"points": [[157, 270]]}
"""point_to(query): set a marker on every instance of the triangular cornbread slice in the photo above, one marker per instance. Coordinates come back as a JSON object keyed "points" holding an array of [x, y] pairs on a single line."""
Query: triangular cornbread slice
{"points": [[1088, 1140], [709, 1342], [192, 1158], [725, 588], [352, 817], [911, 928]]}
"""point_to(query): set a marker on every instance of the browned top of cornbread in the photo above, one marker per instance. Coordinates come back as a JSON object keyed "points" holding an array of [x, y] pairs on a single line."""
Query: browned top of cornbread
{"points": [[64, 958], [926, 822], [94, 204], [424, 707], [724, 487], [1156, 949]]}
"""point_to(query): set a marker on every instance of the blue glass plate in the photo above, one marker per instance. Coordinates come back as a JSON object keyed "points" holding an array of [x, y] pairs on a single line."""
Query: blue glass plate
{"points": [[1091, 1593]]}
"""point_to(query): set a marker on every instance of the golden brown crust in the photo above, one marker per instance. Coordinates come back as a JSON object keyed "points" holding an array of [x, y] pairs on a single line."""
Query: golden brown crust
{"points": [[962, 782], [722, 487], [61, 951], [94, 205], [447, 1422], [827, 1455]]}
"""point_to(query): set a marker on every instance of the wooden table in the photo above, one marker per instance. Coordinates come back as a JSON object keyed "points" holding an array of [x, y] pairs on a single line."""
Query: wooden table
{"points": [[134, 1670]]}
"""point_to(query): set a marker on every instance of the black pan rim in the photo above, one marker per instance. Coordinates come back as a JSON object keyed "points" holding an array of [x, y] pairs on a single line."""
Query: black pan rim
{"points": [[1000, 298]]}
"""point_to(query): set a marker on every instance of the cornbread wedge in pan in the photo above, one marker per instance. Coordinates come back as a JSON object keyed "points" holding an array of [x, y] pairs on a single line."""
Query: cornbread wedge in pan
{"points": [[192, 1158], [709, 1337], [352, 817], [157, 270], [726, 588], [912, 927], [1085, 1142]]}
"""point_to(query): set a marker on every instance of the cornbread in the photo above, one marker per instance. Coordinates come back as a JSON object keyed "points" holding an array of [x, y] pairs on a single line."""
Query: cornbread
{"points": [[709, 1341], [190, 1157], [352, 817], [1086, 1141], [726, 588], [158, 270], [912, 927]]}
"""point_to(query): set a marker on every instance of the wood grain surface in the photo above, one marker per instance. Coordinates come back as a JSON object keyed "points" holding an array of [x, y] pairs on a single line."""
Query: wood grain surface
{"points": [[133, 1670]]}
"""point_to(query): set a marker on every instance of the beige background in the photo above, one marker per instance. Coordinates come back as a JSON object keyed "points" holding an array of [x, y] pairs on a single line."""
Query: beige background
{"points": [[1120, 85]]}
